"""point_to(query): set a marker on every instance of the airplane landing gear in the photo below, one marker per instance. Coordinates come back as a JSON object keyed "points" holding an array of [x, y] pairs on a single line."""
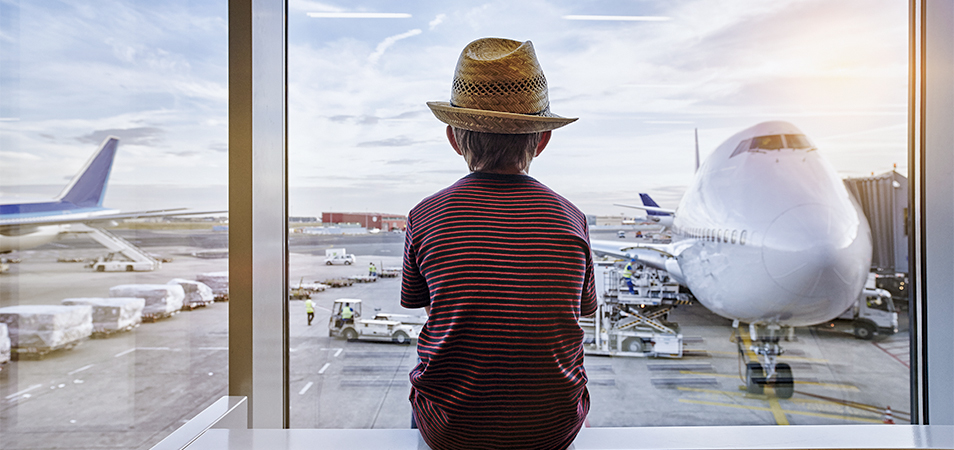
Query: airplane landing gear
{"points": [[767, 371]]}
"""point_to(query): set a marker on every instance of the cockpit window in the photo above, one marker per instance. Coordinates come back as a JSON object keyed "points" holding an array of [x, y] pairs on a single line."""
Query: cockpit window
{"points": [[797, 141], [773, 142]]}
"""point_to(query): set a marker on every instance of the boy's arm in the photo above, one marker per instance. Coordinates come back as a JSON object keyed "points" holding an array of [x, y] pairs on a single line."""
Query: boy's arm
{"points": [[414, 291], [588, 299]]}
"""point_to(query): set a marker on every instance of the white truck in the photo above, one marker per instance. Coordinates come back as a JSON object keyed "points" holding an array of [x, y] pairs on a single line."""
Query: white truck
{"points": [[382, 327], [338, 256], [873, 313]]}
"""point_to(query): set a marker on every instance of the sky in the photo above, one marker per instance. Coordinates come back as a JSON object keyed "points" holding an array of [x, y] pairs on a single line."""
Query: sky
{"points": [[360, 135]]}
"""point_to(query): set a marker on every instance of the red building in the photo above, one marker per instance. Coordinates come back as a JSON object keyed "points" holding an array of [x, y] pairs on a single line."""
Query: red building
{"points": [[384, 222]]}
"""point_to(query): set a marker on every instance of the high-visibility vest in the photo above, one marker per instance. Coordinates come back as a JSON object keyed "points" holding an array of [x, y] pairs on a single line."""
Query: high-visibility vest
{"points": [[309, 306], [347, 313], [628, 271]]}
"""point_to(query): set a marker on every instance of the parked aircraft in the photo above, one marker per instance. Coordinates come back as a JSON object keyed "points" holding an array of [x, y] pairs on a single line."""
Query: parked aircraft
{"points": [[79, 207], [766, 234], [654, 213]]}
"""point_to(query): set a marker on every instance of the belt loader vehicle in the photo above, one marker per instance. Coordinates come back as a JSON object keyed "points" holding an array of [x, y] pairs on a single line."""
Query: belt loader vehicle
{"points": [[633, 324]]}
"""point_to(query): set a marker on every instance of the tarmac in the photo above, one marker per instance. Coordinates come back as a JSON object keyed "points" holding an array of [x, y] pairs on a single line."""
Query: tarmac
{"points": [[132, 389]]}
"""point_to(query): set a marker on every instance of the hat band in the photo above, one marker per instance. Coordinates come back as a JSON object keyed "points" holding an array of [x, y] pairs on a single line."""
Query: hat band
{"points": [[544, 112]]}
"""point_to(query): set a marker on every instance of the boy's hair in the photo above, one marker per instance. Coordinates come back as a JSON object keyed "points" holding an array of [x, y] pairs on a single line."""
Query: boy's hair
{"points": [[492, 151]]}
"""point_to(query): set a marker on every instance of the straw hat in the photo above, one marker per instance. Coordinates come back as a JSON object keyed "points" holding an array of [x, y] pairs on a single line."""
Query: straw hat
{"points": [[499, 87]]}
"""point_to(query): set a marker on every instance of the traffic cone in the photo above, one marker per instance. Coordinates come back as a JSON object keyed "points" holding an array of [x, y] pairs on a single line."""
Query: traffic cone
{"points": [[887, 418]]}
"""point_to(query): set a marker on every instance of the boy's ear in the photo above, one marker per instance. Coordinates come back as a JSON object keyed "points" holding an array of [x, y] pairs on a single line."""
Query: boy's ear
{"points": [[544, 140], [453, 140]]}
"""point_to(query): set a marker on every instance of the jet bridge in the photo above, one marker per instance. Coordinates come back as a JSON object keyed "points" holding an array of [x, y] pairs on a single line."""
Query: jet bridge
{"points": [[634, 324], [123, 255]]}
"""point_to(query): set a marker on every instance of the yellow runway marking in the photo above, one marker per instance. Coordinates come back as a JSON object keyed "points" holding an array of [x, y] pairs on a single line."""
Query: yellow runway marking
{"points": [[747, 342], [777, 412], [781, 358], [847, 387], [710, 391], [801, 413]]}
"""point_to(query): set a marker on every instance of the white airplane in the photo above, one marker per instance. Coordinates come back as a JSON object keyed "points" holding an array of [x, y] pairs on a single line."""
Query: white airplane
{"points": [[768, 235], [26, 225]]}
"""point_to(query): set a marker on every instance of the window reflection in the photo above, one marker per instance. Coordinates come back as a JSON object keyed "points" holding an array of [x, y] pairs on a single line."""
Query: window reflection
{"points": [[112, 135]]}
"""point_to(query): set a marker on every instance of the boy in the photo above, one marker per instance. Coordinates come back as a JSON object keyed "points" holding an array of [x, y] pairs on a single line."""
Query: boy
{"points": [[503, 267]]}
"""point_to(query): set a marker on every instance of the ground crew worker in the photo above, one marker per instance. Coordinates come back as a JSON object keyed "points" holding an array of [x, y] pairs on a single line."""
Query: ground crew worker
{"points": [[372, 270], [347, 314], [628, 275], [310, 309]]}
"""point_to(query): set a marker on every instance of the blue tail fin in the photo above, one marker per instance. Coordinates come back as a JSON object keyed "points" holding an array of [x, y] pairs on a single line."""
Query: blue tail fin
{"points": [[648, 201], [88, 187]]}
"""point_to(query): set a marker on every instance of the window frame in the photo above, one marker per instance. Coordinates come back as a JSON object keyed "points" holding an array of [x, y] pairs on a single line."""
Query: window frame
{"points": [[258, 338]]}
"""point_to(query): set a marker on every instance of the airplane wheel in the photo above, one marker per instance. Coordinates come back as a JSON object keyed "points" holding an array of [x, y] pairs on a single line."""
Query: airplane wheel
{"points": [[784, 383], [633, 344], [864, 330], [350, 334], [754, 378], [401, 338]]}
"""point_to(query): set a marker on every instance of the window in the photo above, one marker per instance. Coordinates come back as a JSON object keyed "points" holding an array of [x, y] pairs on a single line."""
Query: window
{"points": [[773, 142], [133, 344], [797, 141], [357, 87]]}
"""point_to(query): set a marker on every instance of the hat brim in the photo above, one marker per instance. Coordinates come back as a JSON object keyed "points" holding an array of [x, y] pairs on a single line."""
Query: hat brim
{"points": [[495, 121]]}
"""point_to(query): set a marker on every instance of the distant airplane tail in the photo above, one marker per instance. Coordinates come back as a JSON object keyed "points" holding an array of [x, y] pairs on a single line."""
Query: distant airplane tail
{"points": [[648, 201], [88, 187]]}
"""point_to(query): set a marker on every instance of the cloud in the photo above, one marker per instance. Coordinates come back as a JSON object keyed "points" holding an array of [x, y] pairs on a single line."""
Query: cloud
{"points": [[184, 153], [389, 41], [404, 162], [129, 136], [219, 147], [437, 21], [400, 141], [19, 156], [309, 6], [408, 114]]}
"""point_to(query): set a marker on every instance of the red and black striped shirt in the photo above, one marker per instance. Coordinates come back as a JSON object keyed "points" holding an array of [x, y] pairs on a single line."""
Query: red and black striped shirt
{"points": [[505, 265]]}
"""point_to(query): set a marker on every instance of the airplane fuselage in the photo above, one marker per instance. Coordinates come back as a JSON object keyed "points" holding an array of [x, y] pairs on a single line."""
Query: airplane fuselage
{"points": [[770, 235]]}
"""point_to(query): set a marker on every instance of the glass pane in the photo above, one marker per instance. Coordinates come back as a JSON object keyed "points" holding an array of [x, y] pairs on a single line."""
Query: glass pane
{"points": [[116, 313], [641, 77], [797, 141]]}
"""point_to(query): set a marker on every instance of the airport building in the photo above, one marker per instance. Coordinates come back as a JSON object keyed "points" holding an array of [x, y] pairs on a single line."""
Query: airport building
{"points": [[383, 222]]}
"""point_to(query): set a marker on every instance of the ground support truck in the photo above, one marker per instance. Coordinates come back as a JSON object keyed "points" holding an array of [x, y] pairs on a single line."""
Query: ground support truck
{"points": [[634, 324], [873, 313], [383, 327]]}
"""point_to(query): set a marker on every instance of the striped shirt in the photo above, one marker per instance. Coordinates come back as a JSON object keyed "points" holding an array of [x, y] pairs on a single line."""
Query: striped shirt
{"points": [[505, 265]]}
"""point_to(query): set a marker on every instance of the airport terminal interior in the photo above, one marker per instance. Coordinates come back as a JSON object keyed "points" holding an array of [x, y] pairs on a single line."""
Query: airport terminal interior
{"points": [[751, 227]]}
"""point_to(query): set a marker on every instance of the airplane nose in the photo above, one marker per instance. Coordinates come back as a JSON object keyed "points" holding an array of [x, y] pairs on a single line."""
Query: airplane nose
{"points": [[820, 253]]}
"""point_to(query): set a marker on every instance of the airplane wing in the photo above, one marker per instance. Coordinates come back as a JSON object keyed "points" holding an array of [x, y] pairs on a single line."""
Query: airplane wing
{"points": [[648, 208], [109, 217], [657, 256], [653, 255]]}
